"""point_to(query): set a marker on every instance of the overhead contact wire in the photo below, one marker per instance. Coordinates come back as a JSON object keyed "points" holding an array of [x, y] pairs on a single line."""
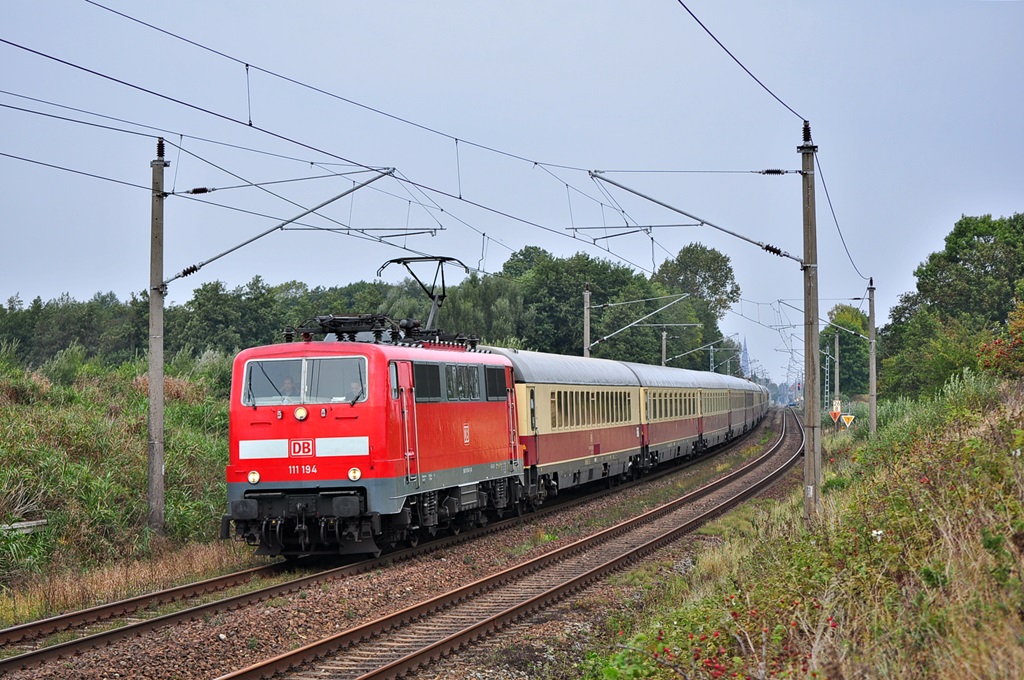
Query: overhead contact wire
{"points": [[738, 62]]}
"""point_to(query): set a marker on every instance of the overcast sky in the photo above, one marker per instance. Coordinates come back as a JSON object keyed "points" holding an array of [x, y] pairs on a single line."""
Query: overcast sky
{"points": [[491, 115]]}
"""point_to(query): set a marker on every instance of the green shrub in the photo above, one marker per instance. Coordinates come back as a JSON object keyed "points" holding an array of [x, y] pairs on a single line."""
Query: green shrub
{"points": [[75, 453], [65, 366]]}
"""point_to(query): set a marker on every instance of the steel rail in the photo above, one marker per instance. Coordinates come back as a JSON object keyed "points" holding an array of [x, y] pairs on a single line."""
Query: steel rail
{"points": [[331, 645], [83, 617]]}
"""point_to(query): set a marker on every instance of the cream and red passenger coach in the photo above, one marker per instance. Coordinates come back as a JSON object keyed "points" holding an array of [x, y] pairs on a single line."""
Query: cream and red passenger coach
{"points": [[584, 419], [355, 447]]}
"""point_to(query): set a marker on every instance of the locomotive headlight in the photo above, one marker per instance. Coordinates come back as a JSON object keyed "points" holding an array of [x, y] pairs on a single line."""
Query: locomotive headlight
{"points": [[354, 474], [254, 477], [301, 413]]}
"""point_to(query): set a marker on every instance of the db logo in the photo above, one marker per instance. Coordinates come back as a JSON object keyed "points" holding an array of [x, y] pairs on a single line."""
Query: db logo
{"points": [[300, 448]]}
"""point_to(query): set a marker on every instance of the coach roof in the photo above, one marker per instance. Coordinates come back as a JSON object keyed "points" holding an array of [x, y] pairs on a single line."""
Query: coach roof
{"points": [[662, 376], [542, 368]]}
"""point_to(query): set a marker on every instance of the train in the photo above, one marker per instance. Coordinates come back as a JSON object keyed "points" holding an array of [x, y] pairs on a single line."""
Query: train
{"points": [[382, 434]]}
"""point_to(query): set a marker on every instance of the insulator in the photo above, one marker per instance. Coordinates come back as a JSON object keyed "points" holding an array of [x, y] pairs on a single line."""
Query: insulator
{"points": [[200, 190], [773, 171], [159, 147], [773, 249], [190, 270], [807, 132]]}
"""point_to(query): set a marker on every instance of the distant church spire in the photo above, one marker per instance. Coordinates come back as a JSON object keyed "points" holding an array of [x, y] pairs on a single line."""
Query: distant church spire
{"points": [[745, 360]]}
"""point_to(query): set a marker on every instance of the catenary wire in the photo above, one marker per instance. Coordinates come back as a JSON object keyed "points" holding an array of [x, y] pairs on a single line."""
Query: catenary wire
{"points": [[76, 172], [738, 62], [455, 139], [381, 112], [290, 140], [835, 219]]}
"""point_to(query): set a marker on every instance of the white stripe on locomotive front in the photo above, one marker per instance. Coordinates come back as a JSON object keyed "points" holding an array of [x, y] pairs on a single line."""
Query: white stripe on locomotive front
{"points": [[252, 449]]}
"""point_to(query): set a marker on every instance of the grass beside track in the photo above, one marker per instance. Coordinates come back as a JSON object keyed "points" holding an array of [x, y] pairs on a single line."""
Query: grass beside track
{"points": [[913, 570]]}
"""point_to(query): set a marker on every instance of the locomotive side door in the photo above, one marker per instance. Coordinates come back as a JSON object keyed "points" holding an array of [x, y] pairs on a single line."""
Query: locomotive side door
{"points": [[513, 418], [404, 391]]}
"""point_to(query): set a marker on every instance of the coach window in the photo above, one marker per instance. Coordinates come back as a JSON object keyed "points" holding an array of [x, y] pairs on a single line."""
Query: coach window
{"points": [[533, 410]]}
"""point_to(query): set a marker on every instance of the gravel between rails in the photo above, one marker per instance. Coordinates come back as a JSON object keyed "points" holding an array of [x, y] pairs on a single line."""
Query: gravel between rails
{"points": [[224, 642]]}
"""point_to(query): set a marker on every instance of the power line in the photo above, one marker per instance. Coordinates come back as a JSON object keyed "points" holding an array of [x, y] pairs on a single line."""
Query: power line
{"points": [[181, 149], [835, 219], [330, 94], [502, 213], [285, 138], [180, 102], [248, 185], [456, 140], [76, 172], [162, 131], [738, 62]]}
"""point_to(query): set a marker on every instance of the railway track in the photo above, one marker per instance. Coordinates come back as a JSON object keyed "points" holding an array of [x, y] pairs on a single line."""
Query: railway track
{"points": [[123, 608], [29, 645], [417, 636]]}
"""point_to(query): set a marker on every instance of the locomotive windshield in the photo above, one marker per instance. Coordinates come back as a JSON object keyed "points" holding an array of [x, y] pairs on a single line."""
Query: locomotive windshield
{"points": [[302, 381]]}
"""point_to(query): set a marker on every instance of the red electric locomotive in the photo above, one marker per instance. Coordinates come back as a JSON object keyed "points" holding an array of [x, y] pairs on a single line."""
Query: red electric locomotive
{"points": [[354, 447]]}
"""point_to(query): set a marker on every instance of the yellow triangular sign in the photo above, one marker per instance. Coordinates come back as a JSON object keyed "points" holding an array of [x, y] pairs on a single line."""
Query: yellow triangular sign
{"points": [[847, 418]]}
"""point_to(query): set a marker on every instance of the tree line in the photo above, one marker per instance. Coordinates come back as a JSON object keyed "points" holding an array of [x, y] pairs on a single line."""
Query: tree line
{"points": [[534, 302], [966, 313]]}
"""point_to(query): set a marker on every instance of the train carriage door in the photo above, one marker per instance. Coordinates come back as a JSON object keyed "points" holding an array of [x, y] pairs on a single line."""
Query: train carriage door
{"points": [[402, 377]]}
